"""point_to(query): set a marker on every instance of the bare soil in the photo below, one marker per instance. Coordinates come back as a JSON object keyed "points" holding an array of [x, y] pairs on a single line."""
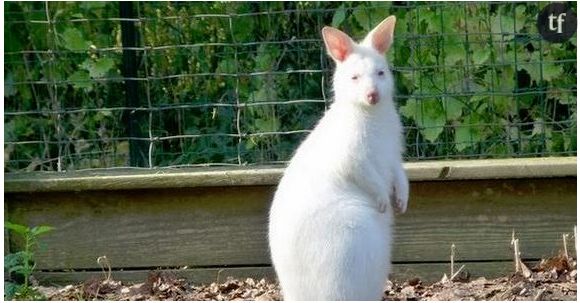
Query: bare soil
{"points": [[552, 279]]}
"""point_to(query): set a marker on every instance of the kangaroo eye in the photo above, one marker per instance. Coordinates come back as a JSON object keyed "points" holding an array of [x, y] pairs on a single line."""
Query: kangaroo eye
{"points": [[381, 73], [355, 77]]}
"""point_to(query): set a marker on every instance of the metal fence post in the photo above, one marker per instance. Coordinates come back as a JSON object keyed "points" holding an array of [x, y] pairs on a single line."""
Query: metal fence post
{"points": [[137, 148]]}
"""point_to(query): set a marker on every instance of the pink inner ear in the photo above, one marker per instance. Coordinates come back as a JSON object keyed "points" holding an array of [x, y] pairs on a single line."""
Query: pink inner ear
{"points": [[382, 36], [339, 44], [341, 54], [382, 40]]}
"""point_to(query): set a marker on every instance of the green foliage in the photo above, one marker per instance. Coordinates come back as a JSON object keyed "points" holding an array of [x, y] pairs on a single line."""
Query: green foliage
{"points": [[473, 80], [72, 39], [22, 262], [491, 87]]}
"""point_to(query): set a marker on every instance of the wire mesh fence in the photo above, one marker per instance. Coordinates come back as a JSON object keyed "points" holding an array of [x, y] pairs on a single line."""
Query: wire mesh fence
{"points": [[165, 84]]}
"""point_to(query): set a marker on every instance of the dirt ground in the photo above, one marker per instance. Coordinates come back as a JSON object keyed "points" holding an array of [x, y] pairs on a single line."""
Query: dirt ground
{"points": [[550, 280]]}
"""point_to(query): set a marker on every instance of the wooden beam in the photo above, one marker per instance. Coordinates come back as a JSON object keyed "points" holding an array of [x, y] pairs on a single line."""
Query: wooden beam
{"points": [[221, 226], [214, 218], [126, 179]]}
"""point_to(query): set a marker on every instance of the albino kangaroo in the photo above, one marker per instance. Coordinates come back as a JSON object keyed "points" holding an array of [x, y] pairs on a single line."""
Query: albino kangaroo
{"points": [[330, 222]]}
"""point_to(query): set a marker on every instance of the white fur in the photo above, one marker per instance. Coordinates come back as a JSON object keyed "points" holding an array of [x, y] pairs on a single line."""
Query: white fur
{"points": [[330, 222]]}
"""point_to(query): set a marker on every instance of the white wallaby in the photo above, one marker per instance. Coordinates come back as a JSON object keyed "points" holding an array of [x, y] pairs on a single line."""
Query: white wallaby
{"points": [[330, 222]]}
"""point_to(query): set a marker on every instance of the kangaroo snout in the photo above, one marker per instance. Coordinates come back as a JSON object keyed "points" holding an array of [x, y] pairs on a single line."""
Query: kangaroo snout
{"points": [[373, 97]]}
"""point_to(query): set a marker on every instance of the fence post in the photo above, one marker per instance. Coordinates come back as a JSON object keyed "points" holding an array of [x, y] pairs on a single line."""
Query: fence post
{"points": [[137, 148]]}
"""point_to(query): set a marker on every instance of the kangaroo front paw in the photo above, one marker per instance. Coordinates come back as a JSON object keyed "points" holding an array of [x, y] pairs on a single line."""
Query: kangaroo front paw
{"points": [[400, 206], [383, 206], [400, 198]]}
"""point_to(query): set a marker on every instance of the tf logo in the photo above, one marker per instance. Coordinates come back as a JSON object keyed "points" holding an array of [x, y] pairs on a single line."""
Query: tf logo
{"points": [[557, 22]]}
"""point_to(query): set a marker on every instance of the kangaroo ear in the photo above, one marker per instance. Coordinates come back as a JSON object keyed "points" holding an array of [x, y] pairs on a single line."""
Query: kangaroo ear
{"points": [[338, 44], [381, 37]]}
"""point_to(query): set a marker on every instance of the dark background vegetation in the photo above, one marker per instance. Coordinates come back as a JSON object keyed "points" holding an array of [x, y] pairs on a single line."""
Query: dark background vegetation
{"points": [[242, 83]]}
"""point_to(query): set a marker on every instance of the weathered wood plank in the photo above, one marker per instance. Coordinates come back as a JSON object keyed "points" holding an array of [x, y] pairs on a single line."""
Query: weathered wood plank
{"points": [[127, 179], [130, 179], [428, 272], [492, 169], [217, 226], [479, 217], [178, 227]]}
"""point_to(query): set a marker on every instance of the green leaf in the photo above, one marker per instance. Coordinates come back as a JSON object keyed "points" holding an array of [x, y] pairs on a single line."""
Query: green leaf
{"points": [[521, 17], [428, 115], [433, 123], [17, 228], [339, 16], [72, 39], [538, 71], [453, 108], [10, 290], [503, 24], [503, 105], [454, 53], [533, 69], [551, 71], [362, 17], [20, 269], [433, 119], [430, 17], [462, 137], [11, 260], [468, 133], [102, 66], [250, 144], [506, 81], [81, 80], [98, 68], [410, 109], [267, 124], [481, 55], [266, 57], [226, 66], [244, 29], [42, 229]]}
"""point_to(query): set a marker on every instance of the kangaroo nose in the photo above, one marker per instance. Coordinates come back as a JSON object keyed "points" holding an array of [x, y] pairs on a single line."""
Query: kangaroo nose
{"points": [[373, 97]]}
